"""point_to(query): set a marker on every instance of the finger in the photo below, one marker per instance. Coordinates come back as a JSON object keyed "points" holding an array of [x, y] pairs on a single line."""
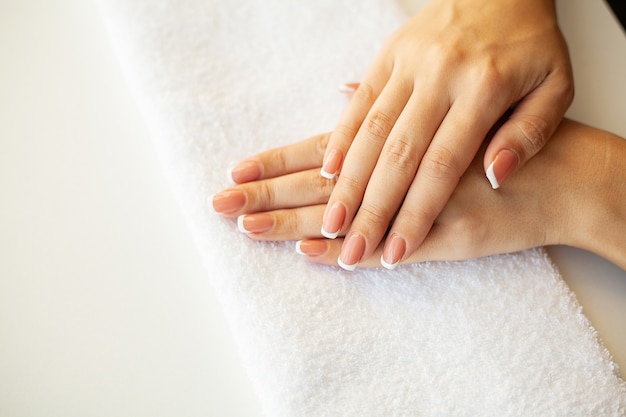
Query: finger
{"points": [[453, 147], [361, 158], [294, 190], [327, 251], [288, 224], [348, 88], [525, 132], [300, 156], [361, 102], [320, 251], [393, 174]]}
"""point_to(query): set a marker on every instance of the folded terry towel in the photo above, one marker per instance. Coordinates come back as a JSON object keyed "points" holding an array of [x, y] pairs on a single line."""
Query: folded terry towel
{"points": [[499, 336]]}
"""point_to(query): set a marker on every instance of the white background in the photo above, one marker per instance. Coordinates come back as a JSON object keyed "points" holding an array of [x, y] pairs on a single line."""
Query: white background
{"points": [[105, 309]]}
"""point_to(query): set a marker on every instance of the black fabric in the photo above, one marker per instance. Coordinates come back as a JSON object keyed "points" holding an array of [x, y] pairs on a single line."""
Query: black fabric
{"points": [[619, 9]]}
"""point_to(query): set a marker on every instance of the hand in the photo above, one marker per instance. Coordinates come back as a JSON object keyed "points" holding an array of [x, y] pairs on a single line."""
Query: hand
{"points": [[573, 192], [420, 114]]}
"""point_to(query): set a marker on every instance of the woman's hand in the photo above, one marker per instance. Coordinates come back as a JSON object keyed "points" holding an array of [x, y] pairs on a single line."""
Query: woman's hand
{"points": [[420, 114], [573, 192]]}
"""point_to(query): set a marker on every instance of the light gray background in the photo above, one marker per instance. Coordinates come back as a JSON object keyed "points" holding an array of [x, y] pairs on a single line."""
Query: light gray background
{"points": [[105, 309]]}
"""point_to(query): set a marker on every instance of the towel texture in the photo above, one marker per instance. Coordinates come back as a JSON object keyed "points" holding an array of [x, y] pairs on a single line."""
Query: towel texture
{"points": [[499, 336]]}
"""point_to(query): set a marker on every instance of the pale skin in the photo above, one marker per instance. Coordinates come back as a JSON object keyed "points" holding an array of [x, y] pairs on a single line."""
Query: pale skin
{"points": [[573, 193], [420, 114]]}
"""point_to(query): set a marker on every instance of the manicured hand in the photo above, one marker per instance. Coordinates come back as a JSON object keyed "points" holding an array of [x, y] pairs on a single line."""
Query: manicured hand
{"points": [[419, 116], [573, 192]]}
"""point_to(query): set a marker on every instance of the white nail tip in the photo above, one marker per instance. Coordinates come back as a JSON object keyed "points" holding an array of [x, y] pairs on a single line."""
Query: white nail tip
{"points": [[327, 175], [298, 249], [346, 266], [240, 226], [491, 176], [329, 235], [210, 203], [345, 88], [229, 176], [387, 265]]}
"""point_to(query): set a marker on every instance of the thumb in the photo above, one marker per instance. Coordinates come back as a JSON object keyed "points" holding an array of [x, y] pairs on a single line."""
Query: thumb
{"points": [[525, 132]]}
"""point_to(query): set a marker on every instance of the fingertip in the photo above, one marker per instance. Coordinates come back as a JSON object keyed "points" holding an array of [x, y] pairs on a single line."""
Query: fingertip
{"points": [[332, 163], [245, 171], [240, 225], [393, 252], [329, 235], [387, 265], [311, 248], [326, 174], [298, 247], [347, 267], [492, 177], [347, 88], [210, 204], [502, 166]]}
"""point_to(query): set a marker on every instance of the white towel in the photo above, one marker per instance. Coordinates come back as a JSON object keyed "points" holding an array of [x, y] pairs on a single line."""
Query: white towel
{"points": [[501, 336]]}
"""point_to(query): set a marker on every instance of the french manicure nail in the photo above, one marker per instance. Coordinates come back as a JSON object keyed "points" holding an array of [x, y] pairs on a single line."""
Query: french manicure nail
{"points": [[333, 220], [245, 171], [227, 202], [393, 252], [502, 166], [255, 223], [351, 251], [331, 165], [348, 88], [311, 247]]}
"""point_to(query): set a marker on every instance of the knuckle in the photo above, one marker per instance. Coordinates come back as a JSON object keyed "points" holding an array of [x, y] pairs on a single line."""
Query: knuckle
{"points": [[532, 130], [379, 125], [446, 51], [323, 140], [321, 144], [365, 93], [490, 79], [321, 187], [561, 77], [265, 195], [374, 216], [289, 221], [567, 89], [279, 161], [439, 164], [346, 130], [399, 155], [353, 185]]}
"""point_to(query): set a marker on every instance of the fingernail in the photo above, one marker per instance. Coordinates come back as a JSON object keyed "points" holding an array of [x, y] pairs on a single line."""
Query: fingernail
{"points": [[351, 251], [255, 223], [393, 252], [311, 247], [245, 171], [333, 220], [227, 202], [331, 165], [348, 88], [502, 166]]}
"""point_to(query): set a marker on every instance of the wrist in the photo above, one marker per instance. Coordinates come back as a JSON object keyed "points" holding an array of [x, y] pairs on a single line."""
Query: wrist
{"points": [[596, 219]]}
